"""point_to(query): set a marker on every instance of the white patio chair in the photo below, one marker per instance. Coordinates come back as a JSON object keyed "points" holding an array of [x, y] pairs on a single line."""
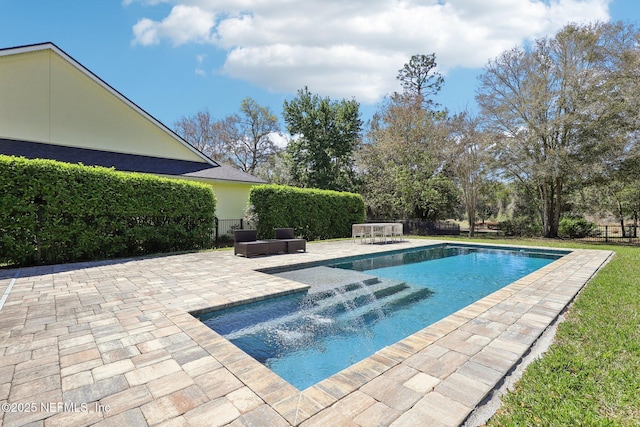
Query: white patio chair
{"points": [[380, 231], [396, 232], [358, 230]]}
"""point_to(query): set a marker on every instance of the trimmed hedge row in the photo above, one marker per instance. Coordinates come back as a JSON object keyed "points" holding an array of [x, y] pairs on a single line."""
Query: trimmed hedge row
{"points": [[314, 214], [53, 212]]}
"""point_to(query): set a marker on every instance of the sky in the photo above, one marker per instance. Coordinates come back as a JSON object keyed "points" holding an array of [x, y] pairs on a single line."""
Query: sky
{"points": [[174, 58]]}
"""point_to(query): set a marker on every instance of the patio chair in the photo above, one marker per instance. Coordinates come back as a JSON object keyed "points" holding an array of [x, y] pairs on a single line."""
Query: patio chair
{"points": [[397, 232], [361, 231], [381, 231]]}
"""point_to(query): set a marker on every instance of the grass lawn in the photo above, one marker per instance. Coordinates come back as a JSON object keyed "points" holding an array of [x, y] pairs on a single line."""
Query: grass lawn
{"points": [[590, 376]]}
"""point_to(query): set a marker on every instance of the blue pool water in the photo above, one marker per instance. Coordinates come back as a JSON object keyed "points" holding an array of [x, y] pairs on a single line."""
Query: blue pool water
{"points": [[372, 303]]}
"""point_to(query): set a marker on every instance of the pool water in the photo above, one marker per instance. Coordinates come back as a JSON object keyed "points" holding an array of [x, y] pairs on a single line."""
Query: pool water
{"points": [[359, 306]]}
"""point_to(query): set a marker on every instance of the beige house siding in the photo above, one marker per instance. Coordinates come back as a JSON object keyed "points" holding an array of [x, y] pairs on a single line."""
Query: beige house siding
{"points": [[51, 100], [232, 199], [25, 101]]}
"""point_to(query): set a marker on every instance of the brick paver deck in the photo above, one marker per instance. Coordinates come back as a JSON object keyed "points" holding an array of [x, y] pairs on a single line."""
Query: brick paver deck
{"points": [[114, 343]]}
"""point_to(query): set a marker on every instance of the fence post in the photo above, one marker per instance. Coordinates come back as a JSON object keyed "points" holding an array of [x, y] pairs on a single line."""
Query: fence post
{"points": [[215, 240], [606, 233]]}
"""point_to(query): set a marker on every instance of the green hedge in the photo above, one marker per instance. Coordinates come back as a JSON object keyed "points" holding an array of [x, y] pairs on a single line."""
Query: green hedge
{"points": [[53, 212], [314, 214]]}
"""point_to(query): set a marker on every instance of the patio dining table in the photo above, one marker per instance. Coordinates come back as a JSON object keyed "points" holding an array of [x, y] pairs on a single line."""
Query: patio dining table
{"points": [[385, 231]]}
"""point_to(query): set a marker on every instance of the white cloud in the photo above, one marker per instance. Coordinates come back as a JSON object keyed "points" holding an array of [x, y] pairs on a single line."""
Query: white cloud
{"points": [[354, 49], [184, 24]]}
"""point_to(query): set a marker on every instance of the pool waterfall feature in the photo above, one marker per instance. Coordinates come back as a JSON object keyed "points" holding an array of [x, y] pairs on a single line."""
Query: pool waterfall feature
{"points": [[346, 303]]}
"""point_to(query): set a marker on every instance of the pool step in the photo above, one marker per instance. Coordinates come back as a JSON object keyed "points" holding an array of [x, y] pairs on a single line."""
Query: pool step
{"points": [[322, 278], [325, 281], [354, 290], [318, 293], [373, 312], [319, 311]]}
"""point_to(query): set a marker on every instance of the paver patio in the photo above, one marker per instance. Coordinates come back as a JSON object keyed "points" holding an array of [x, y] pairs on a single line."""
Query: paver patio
{"points": [[113, 343]]}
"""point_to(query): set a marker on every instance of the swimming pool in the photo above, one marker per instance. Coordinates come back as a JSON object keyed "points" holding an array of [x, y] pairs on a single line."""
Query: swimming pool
{"points": [[357, 306]]}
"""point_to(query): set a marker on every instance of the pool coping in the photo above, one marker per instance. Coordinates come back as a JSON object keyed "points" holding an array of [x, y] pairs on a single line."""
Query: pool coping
{"points": [[133, 316]]}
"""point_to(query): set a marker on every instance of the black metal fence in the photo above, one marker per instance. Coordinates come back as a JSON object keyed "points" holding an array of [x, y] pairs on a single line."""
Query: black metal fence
{"points": [[630, 234], [223, 234], [431, 228]]}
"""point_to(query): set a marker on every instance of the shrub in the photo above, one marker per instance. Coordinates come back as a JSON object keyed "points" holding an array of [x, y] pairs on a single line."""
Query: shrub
{"points": [[314, 214], [52, 212], [575, 227], [521, 226]]}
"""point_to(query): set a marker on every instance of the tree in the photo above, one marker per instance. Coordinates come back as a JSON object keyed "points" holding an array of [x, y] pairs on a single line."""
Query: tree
{"points": [[244, 140], [199, 131], [494, 199], [560, 109], [468, 157], [251, 135], [325, 135], [401, 163], [419, 78], [275, 169]]}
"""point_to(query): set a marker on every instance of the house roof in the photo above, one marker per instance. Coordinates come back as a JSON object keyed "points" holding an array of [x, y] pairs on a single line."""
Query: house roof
{"points": [[124, 162]]}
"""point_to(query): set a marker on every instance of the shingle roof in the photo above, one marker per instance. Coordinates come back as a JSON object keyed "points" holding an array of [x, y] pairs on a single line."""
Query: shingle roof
{"points": [[125, 162]]}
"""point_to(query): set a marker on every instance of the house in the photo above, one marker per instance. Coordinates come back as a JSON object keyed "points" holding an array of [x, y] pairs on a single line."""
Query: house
{"points": [[52, 107]]}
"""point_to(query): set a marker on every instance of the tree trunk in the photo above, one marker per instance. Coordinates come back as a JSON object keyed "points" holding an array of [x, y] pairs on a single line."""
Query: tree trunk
{"points": [[557, 207], [551, 202], [546, 196], [621, 217], [471, 214]]}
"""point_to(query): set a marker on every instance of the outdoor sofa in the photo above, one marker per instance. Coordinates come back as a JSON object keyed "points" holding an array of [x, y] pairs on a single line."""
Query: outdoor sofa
{"points": [[293, 244], [246, 243]]}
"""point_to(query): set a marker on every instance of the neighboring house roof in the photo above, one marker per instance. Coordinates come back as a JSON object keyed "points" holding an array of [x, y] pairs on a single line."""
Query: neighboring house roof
{"points": [[124, 162], [206, 169]]}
